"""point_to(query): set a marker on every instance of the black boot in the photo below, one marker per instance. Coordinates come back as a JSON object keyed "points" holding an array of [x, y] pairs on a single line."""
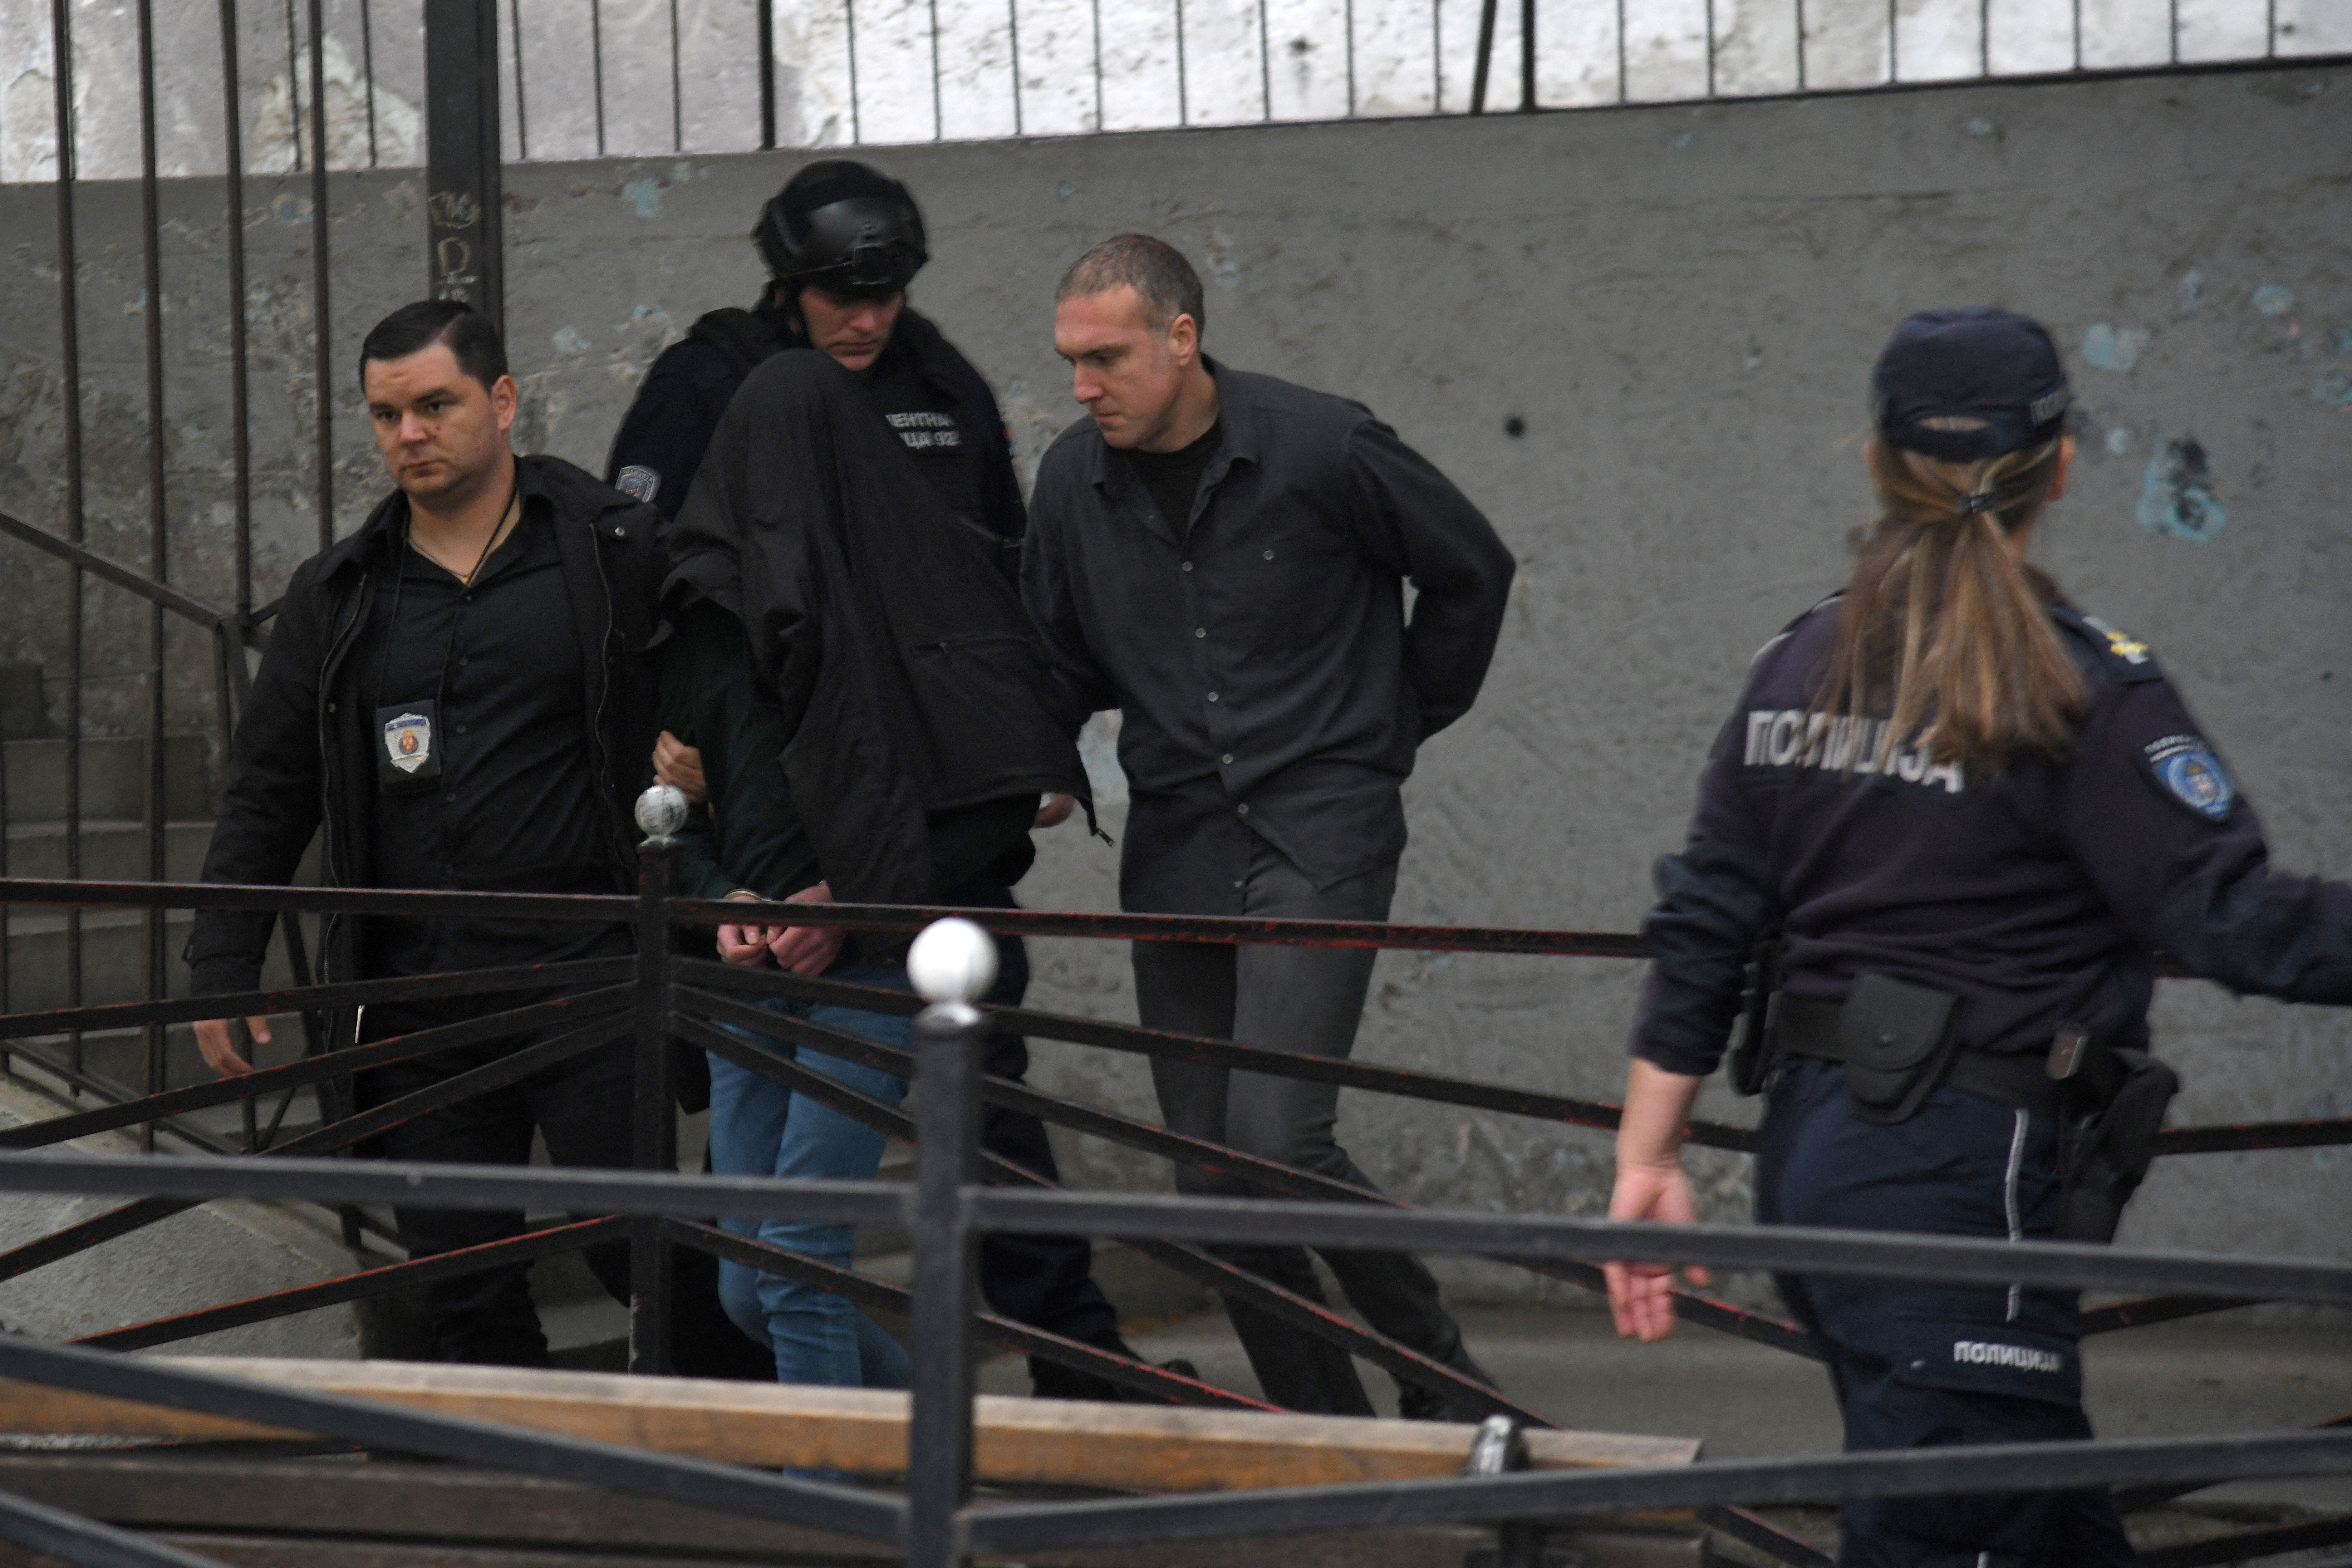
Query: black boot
{"points": [[1415, 1403], [1052, 1380]]}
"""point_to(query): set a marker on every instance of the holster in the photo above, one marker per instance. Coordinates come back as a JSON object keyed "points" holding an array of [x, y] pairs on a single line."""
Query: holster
{"points": [[2116, 1099], [1749, 1065]]}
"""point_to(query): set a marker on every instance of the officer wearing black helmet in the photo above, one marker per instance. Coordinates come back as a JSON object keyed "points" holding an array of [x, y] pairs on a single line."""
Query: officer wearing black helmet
{"points": [[1946, 831], [842, 241]]}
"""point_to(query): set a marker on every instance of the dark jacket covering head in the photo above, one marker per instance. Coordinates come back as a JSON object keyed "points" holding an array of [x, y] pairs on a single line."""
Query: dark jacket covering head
{"points": [[891, 637], [304, 762], [663, 437]]}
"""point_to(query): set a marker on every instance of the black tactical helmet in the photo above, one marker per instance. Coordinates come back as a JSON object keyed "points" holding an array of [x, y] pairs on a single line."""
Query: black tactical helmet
{"points": [[845, 228]]}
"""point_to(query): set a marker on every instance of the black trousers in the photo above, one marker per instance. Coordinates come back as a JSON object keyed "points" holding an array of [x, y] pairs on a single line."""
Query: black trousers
{"points": [[581, 1108], [1916, 1364], [1306, 1000]]}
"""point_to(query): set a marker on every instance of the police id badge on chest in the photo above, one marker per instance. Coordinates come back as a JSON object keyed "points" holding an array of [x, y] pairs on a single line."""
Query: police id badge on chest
{"points": [[408, 759]]}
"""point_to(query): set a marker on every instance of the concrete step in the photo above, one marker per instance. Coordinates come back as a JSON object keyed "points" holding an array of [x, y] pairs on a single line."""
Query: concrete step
{"points": [[220, 1252], [113, 778], [113, 850]]}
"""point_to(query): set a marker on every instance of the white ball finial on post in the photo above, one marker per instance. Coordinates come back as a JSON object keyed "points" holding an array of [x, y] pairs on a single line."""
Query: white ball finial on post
{"points": [[953, 961], [661, 812]]}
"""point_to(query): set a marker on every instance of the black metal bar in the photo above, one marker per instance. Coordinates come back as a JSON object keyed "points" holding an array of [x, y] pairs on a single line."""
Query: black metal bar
{"points": [[950, 1037], [240, 432], [654, 1129], [361, 1285], [282, 1177], [1781, 1248], [601, 908], [2132, 1499], [1765, 1536], [1526, 57], [694, 1482], [1784, 1248], [151, 956], [2306, 1134], [2240, 1545], [349, 994], [71, 1538], [765, 12], [1172, 928], [522, 116], [461, 131], [869, 1294], [2157, 1309], [367, 70], [83, 559], [1012, 1528], [70, 397], [314, 1069], [322, 316], [332, 1138]]}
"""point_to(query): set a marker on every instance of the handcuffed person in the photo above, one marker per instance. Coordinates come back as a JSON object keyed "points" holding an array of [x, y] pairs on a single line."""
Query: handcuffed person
{"points": [[1221, 556], [850, 680], [457, 697], [1962, 815]]}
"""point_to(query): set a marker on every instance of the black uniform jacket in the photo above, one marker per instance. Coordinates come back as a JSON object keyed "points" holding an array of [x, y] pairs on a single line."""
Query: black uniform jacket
{"points": [[303, 758], [1267, 678], [2040, 896], [668, 429], [890, 639]]}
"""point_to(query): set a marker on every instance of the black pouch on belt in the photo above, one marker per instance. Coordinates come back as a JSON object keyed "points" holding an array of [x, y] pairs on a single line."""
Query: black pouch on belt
{"points": [[2115, 1108], [1898, 1044]]}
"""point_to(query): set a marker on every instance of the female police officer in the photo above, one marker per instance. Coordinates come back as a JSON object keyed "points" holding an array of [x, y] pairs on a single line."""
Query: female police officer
{"points": [[1969, 814]]}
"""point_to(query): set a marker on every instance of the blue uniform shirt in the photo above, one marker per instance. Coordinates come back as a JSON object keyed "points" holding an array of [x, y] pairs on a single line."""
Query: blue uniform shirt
{"points": [[2040, 896]]}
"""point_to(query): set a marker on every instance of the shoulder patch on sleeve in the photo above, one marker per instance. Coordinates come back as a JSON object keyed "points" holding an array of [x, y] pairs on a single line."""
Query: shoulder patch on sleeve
{"points": [[638, 482], [2186, 769], [2115, 653]]}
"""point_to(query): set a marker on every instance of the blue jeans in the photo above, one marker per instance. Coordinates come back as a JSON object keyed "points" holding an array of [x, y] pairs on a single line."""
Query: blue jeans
{"points": [[760, 1128]]}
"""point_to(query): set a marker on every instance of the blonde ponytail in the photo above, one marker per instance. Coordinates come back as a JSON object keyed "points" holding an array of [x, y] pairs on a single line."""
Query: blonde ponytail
{"points": [[1945, 630]]}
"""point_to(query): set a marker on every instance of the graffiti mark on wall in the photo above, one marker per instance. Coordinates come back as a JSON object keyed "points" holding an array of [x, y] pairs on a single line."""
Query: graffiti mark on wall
{"points": [[2174, 496]]}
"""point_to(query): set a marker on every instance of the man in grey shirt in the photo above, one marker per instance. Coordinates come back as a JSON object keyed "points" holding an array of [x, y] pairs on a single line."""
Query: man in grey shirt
{"points": [[1221, 557]]}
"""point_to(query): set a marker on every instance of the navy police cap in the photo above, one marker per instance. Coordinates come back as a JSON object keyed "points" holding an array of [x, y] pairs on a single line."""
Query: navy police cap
{"points": [[1968, 385]]}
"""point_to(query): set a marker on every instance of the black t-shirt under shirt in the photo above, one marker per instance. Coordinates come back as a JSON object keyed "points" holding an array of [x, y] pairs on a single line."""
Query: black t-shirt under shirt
{"points": [[1175, 477]]}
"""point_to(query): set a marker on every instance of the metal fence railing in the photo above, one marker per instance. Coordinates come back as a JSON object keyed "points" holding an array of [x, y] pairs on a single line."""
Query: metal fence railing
{"points": [[662, 998], [584, 79]]}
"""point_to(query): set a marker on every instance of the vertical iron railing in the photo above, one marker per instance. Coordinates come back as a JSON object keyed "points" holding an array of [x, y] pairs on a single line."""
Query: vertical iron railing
{"points": [[654, 1141], [949, 1039]]}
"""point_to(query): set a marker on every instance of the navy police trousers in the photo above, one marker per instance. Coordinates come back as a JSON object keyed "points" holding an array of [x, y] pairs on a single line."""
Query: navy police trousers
{"points": [[1919, 1365]]}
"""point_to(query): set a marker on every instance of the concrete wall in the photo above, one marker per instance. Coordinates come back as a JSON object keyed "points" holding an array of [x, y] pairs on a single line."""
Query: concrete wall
{"points": [[1675, 308]]}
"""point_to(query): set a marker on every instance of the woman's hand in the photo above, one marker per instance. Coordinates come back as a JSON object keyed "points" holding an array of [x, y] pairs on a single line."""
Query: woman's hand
{"points": [[1651, 1186], [745, 945]]}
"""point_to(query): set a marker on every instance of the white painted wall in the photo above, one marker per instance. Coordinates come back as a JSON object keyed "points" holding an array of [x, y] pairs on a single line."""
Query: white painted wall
{"points": [[635, 77]]}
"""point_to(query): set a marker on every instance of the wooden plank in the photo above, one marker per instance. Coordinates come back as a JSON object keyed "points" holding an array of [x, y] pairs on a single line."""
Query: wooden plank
{"points": [[378, 1514], [1137, 1447]]}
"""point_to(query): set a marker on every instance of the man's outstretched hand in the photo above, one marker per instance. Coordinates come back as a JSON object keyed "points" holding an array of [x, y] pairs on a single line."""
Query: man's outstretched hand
{"points": [[219, 1048]]}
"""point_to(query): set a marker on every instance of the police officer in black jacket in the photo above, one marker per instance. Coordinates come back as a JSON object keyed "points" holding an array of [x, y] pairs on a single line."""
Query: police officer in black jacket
{"points": [[1961, 817], [458, 696], [843, 242]]}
